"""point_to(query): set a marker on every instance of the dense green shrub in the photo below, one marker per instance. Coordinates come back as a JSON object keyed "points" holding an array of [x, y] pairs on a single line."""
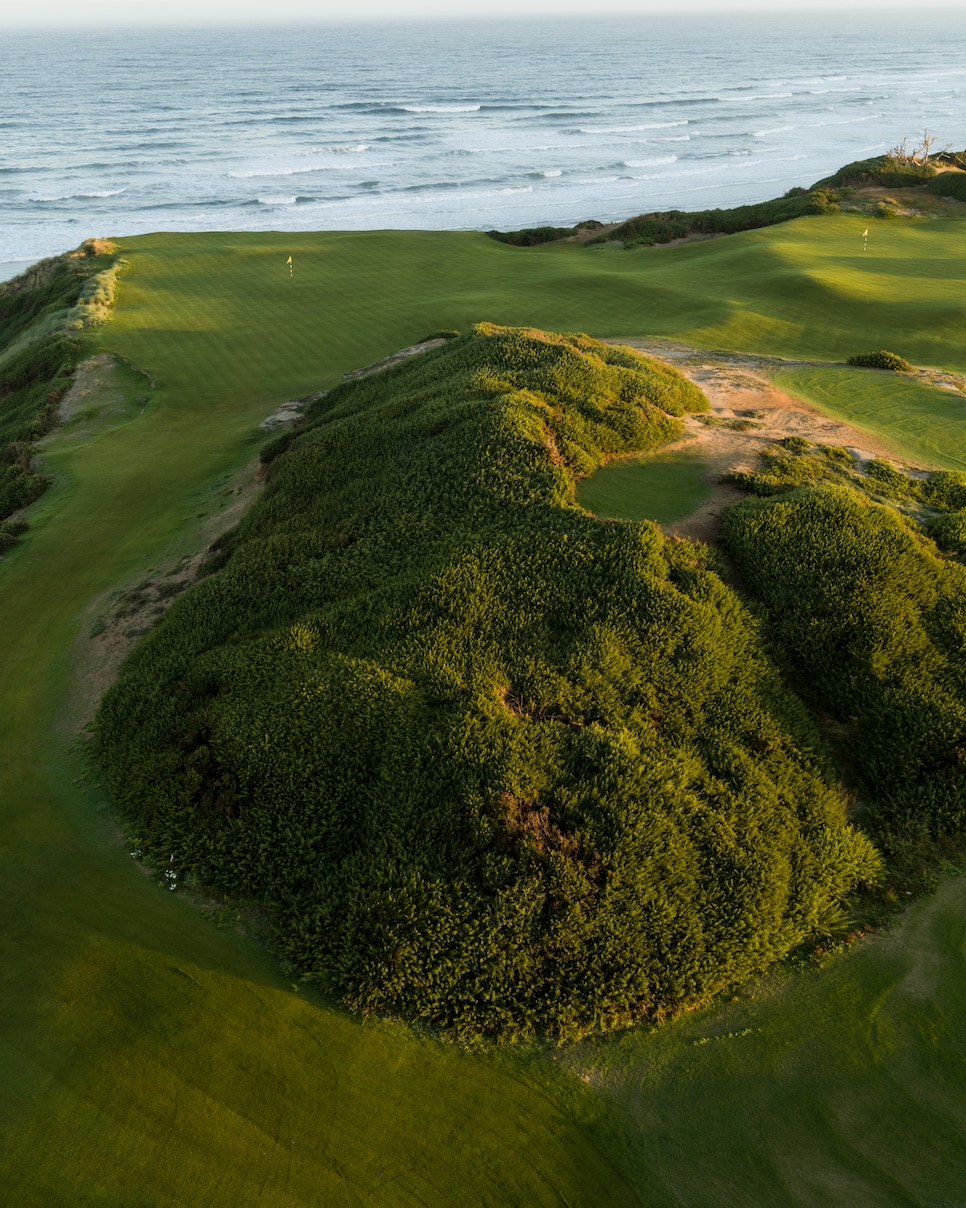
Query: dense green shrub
{"points": [[883, 359], [48, 287], [37, 361], [532, 236], [487, 761], [650, 229], [948, 530], [883, 171], [646, 230], [797, 463], [32, 383], [949, 184], [942, 489], [872, 625], [884, 209], [10, 533]]}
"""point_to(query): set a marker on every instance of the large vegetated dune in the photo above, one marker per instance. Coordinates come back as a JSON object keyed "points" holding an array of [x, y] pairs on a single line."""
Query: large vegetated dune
{"points": [[489, 762]]}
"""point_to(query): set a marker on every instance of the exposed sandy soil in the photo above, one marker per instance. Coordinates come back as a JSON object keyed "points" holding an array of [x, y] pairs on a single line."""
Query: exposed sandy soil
{"points": [[113, 622], [738, 388], [412, 351], [908, 203], [102, 392]]}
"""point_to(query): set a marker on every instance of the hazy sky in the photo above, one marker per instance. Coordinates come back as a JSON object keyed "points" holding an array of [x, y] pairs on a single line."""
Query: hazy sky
{"points": [[67, 13]]}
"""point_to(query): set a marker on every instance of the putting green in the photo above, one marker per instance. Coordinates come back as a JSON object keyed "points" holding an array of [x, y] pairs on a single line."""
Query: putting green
{"points": [[151, 1059], [664, 487], [921, 422]]}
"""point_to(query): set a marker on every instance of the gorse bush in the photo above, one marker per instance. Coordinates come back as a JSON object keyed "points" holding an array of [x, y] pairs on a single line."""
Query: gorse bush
{"points": [[37, 359], [949, 184], [883, 171], [883, 359], [487, 761], [798, 463], [650, 229], [646, 230], [534, 236], [872, 625], [32, 383], [10, 533]]}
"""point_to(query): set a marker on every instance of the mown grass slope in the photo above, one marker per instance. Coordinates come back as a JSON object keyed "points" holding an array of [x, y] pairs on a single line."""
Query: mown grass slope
{"points": [[107, 1036], [840, 1086], [919, 421]]}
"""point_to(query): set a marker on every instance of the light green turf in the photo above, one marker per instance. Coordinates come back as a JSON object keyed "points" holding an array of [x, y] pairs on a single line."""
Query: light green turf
{"points": [[150, 1059], [921, 422], [663, 487]]}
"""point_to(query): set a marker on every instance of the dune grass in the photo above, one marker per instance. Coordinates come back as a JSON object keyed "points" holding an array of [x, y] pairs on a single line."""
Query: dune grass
{"points": [[151, 1059], [663, 487], [921, 422]]}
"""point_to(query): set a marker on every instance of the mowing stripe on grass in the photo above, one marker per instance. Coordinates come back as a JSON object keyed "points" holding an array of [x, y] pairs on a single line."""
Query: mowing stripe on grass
{"points": [[921, 422]]}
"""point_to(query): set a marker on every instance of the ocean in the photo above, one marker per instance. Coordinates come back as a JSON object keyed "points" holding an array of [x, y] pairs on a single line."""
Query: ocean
{"points": [[462, 125]]}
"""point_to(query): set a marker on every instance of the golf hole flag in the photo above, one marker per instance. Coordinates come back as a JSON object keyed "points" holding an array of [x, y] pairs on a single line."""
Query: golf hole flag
{"points": [[291, 270]]}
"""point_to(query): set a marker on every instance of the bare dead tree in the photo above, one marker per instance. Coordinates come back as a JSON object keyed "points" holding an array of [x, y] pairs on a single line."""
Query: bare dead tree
{"points": [[920, 155]]}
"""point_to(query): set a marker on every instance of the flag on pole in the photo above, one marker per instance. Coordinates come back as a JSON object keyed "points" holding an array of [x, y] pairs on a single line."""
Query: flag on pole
{"points": [[291, 270], [865, 235]]}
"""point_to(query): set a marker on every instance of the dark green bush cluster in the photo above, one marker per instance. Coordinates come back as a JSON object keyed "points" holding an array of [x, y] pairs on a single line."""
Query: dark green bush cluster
{"points": [[10, 533], [48, 286], [797, 463], [800, 463], [884, 171], [487, 761], [32, 383], [649, 229], [883, 359], [35, 377], [872, 625], [948, 530], [534, 236], [949, 184]]}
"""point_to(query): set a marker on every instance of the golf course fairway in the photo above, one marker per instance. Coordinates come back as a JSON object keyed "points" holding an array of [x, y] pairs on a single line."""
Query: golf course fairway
{"points": [[150, 1058], [917, 420]]}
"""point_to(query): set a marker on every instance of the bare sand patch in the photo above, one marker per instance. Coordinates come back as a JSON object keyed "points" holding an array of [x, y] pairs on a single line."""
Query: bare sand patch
{"points": [[740, 391], [114, 620]]}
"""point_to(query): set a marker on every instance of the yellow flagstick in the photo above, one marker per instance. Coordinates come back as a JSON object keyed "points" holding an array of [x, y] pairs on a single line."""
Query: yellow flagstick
{"points": [[865, 242], [291, 270]]}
